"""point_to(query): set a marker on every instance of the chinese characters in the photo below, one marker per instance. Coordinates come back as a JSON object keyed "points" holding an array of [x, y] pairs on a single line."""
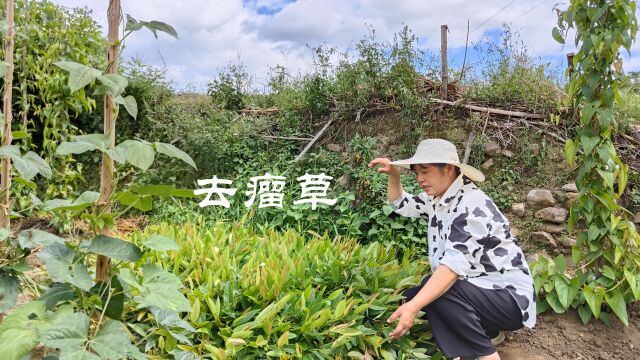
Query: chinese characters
{"points": [[268, 189]]}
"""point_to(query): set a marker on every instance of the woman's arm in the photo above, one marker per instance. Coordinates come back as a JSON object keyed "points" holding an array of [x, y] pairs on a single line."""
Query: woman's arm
{"points": [[438, 284], [401, 202], [394, 187]]}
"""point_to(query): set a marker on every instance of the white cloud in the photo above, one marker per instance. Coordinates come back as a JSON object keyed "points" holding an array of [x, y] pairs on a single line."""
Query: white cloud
{"points": [[264, 33]]}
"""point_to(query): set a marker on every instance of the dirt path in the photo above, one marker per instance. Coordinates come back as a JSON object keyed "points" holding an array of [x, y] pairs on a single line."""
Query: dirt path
{"points": [[564, 336]]}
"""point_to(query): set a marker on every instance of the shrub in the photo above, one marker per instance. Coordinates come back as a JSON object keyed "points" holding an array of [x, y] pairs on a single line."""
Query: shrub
{"points": [[230, 87], [508, 77]]}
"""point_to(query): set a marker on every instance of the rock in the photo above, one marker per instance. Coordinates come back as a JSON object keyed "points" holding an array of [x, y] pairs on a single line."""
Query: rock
{"points": [[543, 237], [570, 187], [515, 232], [532, 258], [334, 147], [552, 228], [540, 198], [518, 209], [506, 153], [343, 181], [552, 214], [570, 199], [560, 196], [536, 256], [492, 148], [636, 220], [383, 139], [566, 241], [487, 164]]}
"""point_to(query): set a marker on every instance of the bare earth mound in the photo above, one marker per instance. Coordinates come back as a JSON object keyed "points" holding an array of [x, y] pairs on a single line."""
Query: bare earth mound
{"points": [[564, 336]]}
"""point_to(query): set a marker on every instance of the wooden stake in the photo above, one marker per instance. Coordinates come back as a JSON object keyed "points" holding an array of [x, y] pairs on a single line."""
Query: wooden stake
{"points": [[570, 63], [5, 178], [467, 151], [445, 65], [464, 60], [106, 175], [23, 85]]}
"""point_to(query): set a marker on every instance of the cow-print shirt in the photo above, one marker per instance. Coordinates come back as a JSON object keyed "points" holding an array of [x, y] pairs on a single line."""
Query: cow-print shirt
{"points": [[469, 235]]}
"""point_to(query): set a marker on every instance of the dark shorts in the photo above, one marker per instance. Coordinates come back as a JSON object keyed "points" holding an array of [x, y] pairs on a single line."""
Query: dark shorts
{"points": [[465, 318]]}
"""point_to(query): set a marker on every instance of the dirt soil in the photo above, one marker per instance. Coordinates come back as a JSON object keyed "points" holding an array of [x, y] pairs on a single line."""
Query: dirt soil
{"points": [[564, 336]]}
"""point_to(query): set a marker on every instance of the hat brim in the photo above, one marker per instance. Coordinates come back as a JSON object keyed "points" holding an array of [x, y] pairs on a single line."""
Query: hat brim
{"points": [[467, 170]]}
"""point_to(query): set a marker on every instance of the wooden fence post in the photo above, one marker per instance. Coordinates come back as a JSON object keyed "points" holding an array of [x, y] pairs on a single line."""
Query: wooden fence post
{"points": [[570, 63], [114, 13], [445, 66], [5, 179]]}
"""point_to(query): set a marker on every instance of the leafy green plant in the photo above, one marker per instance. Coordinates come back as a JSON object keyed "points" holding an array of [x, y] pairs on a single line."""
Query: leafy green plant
{"points": [[77, 318], [45, 110], [606, 256], [501, 185], [268, 295], [633, 193], [506, 75], [230, 87]]}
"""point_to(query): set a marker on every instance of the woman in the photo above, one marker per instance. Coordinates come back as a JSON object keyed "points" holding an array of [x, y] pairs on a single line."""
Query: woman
{"points": [[480, 283]]}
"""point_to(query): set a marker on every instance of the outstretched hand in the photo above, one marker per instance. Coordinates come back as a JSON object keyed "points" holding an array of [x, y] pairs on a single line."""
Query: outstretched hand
{"points": [[386, 167], [405, 315]]}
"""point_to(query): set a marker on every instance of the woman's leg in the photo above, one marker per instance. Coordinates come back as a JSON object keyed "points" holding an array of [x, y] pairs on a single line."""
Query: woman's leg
{"points": [[493, 356], [466, 317]]}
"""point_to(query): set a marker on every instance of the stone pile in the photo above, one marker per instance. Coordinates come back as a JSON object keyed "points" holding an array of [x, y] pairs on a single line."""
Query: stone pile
{"points": [[552, 208]]}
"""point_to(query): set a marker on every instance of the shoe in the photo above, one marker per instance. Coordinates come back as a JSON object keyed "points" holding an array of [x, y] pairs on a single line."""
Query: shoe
{"points": [[499, 339]]}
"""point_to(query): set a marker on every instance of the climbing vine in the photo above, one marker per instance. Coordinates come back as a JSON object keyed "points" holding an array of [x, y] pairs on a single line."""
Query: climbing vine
{"points": [[606, 256]]}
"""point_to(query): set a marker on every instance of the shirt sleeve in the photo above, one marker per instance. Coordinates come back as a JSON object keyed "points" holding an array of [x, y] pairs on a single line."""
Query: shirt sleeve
{"points": [[410, 205], [465, 238]]}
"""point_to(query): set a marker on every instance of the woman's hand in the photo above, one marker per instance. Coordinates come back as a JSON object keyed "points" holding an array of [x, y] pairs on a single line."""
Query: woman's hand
{"points": [[386, 168], [405, 315]]}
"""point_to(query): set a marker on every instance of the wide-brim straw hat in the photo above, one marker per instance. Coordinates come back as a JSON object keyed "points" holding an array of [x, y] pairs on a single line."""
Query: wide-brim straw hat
{"points": [[439, 151]]}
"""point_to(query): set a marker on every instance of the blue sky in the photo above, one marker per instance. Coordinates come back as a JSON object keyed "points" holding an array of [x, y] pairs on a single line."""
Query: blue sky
{"points": [[266, 33]]}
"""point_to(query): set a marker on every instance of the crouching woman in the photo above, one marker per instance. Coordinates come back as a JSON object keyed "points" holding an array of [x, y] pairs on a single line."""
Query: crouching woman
{"points": [[480, 283]]}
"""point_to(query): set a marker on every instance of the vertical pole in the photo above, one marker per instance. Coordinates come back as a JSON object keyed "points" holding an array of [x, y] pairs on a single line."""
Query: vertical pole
{"points": [[570, 63], [5, 178], [445, 66], [106, 175]]}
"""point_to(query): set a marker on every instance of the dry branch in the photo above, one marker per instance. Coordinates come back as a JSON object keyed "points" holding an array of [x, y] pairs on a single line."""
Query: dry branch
{"points": [[315, 138], [519, 114], [287, 137], [259, 111]]}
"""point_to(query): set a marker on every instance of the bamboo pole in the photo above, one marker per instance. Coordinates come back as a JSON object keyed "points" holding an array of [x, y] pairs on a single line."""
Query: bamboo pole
{"points": [[5, 178], [106, 173]]}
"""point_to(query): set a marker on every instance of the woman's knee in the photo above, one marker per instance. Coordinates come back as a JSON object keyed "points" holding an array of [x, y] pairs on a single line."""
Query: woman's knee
{"points": [[448, 303], [442, 304]]}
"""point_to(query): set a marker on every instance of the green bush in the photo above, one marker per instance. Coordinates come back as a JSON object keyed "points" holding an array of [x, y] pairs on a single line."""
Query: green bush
{"points": [[508, 77], [501, 185], [230, 87], [628, 109], [632, 195], [360, 211], [45, 110]]}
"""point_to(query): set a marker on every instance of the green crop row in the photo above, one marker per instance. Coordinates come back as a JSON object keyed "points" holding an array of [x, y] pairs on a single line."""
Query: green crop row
{"points": [[286, 295]]}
